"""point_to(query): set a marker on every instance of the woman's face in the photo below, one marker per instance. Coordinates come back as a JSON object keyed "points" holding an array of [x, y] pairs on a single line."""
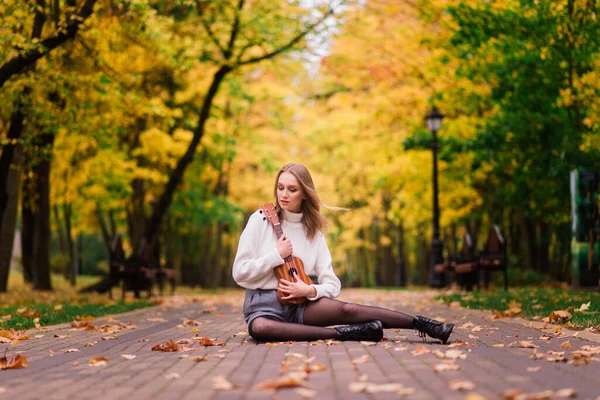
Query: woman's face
{"points": [[289, 192]]}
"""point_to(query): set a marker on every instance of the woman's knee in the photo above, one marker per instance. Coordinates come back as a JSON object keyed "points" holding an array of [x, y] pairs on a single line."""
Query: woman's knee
{"points": [[259, 328], [351, 309]]}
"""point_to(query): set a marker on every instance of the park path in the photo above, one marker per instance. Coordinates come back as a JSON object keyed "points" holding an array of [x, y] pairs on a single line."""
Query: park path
{"points": [[487, 353]]}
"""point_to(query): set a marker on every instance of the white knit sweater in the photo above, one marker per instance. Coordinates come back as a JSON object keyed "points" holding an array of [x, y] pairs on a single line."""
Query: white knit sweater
{"points": [[257, 255]]}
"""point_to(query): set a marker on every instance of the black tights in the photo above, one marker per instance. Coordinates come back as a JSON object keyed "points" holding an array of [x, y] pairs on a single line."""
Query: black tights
{"points": [[325, 312]]}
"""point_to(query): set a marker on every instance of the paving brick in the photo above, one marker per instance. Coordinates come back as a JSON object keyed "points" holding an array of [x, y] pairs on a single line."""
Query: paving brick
{"points": [[493, 370]]}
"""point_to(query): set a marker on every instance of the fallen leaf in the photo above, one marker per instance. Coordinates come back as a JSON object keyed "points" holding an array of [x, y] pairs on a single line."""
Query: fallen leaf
{"points": [[565, 345], [221, 383], [585, 306], [111, 337], [566, 393], [455, 354], [90, 344], [559, 316], [524, 344], [533, 369], [62, 336], [498, 345], [98, 361], [446, 367], [169, 346], [291, 380], [366, 343], [459, 384], [474, 396], [361, 360], [306, 393], [420, 350], [20, 361], [398, 388], [199, 358], [72, 351], [128, 356], [535, 355]]}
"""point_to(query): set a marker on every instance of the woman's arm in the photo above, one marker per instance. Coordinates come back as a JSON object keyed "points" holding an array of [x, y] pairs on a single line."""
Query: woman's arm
{"points": [[328, 283], [248, 266]]}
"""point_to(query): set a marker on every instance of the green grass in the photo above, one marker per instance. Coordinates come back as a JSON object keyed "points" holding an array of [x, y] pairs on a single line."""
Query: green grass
{"points": [[23, 317], [536, 302], [21, 304]]}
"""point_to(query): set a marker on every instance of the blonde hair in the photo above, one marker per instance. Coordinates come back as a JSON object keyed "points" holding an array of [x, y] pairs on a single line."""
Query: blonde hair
{"points": [[312, 219]]}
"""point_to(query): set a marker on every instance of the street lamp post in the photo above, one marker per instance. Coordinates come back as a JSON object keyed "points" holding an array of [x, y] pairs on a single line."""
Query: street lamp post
{"points": [[434, 123]]}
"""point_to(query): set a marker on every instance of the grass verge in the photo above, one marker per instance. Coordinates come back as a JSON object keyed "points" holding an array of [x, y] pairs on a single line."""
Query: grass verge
{"points": [[535, 302], [21, 305]]}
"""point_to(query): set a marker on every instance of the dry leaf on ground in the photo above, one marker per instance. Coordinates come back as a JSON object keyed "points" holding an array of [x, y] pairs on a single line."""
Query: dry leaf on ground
{"points": [[290, 380], [524, 344], [446, 366], [361, 360], [306, 393], [559, 316], [20, 361], [169, 346], [398, 388], [459, 384], [420, 350], [128, 356], [98, 361], [221, 383], [565, 345]]}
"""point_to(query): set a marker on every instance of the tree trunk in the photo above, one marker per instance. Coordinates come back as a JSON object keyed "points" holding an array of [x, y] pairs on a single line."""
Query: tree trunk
{"points": [[543, 253], [72, 264], [7, 228], [401, 266], [28, 218], [41, 271], [162, 205], [531, 244]]}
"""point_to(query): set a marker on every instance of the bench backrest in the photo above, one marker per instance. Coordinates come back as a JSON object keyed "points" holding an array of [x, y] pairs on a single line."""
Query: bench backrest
{"points": [[495, 241]]}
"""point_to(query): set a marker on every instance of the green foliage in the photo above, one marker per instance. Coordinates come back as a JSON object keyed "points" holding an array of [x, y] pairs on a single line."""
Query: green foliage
{"points": [[536, 302], [49, 315]]}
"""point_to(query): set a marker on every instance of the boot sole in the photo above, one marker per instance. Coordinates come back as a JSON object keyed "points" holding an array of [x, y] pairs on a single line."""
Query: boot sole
{"points": [[444, 339]]}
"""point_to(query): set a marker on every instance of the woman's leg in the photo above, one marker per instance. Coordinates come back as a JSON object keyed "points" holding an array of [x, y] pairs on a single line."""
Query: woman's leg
{"points": [[325, 311], [270, 330]]}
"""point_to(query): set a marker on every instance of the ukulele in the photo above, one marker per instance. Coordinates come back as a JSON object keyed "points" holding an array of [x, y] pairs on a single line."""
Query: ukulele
{"points": [[292, 268]]}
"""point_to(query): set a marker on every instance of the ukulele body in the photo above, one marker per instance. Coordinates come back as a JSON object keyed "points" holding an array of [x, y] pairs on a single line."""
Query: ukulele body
{"points": [[290, 271]]}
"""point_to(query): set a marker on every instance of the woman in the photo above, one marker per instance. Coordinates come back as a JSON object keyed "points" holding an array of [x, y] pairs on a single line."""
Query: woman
{"points": [[259, 251]]}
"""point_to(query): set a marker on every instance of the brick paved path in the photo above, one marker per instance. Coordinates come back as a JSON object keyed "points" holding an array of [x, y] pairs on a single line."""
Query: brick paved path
{"points": [[493, 369]]}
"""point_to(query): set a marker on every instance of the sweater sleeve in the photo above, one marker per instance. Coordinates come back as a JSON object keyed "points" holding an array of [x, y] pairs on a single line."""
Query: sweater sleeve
{"points": [[329, 284], [248, 267]]}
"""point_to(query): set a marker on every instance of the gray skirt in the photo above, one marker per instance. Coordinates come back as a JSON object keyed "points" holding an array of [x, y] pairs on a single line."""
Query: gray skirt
{"points": [[264, 303]]}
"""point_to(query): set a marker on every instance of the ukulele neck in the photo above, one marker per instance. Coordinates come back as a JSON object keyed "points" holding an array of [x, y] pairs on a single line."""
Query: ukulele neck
{"points": [[279, 233]]}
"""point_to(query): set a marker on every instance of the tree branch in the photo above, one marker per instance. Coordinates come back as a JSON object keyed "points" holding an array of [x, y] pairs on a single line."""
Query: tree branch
{"points": [[19, 63], [290, 44]]}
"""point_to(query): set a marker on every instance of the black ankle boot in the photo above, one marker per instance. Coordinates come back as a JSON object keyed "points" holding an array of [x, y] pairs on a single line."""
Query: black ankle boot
{"points": [[368, 331], [433, 328]]}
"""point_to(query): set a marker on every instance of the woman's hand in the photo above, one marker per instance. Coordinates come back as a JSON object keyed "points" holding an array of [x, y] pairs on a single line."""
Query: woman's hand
{"points": [[284, 246], [296, 289]]}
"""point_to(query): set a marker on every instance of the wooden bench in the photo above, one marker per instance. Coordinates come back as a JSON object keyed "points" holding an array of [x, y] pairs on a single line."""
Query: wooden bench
{"points": [[466, 264], [138, 272], [493, 257]]}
